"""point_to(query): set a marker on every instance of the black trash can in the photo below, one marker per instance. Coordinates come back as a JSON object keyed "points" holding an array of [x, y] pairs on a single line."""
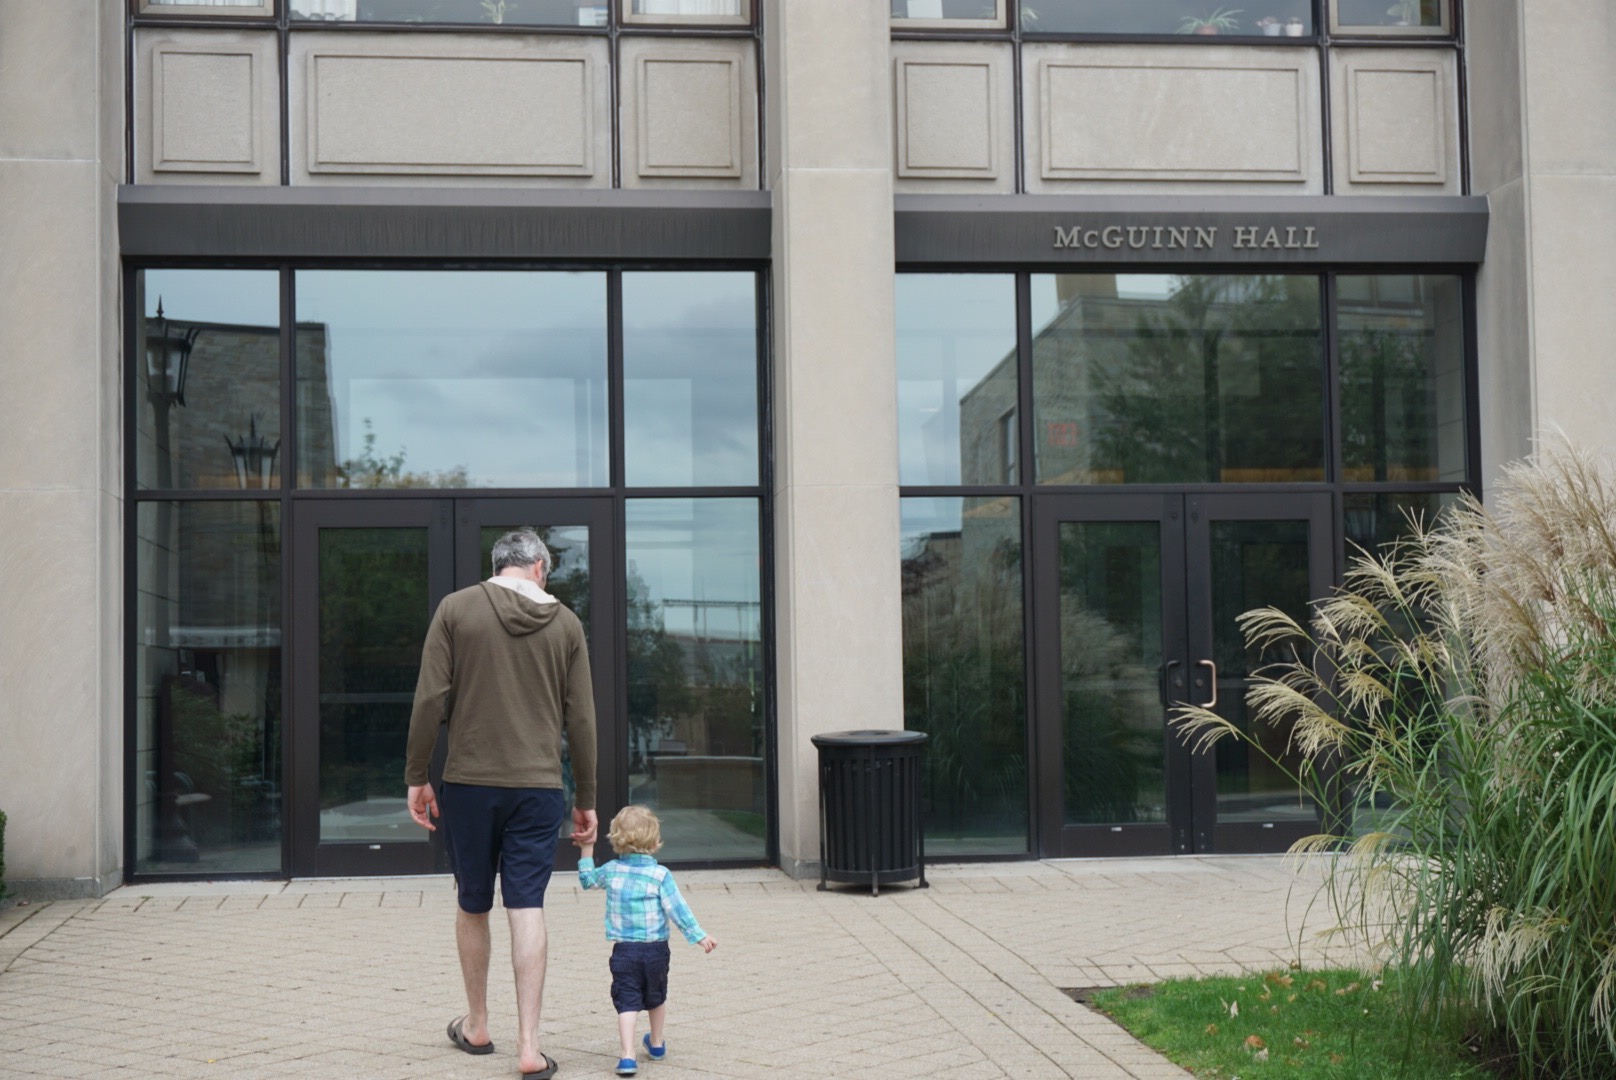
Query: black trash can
{"points": [[869, 808]]}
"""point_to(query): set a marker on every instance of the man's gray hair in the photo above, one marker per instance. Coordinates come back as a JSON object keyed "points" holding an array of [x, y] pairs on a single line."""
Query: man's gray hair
{"points": [[521, 547]]}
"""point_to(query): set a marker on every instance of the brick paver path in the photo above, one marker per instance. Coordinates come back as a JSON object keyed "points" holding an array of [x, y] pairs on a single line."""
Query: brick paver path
{"points": [[357, 979]]}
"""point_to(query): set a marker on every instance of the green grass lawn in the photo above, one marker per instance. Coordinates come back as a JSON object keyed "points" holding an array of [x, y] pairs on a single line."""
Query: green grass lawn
{"points": [[1326, 1025]]}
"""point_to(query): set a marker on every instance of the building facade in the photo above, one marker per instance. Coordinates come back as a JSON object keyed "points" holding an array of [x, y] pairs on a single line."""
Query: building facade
{"points": [[960, 365]]}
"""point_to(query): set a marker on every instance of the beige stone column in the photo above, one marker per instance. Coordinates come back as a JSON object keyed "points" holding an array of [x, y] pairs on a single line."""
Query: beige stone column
{"points": [[61, 580], [1542, 80], [839, 619]]}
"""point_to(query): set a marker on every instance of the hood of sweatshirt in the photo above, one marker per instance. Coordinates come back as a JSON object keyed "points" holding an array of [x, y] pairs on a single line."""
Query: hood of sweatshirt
{"points": [[518, 614]]}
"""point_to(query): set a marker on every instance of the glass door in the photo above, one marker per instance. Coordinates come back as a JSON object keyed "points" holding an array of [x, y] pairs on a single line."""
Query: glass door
{"points": [[1144, 617], [1110, 657], [366, 579], [1249, 551]]}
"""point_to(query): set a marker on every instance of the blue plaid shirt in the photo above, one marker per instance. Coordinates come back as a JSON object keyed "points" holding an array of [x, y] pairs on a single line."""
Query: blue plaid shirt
{"points": [[641, 898]]}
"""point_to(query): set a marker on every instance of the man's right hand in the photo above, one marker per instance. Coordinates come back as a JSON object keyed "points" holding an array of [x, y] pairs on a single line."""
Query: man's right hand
{"points": [[422, 802], [584, 826]]}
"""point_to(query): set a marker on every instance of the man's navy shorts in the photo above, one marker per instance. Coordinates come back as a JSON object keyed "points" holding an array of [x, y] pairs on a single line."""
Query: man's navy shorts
{"points": [[511, 832], [639, 975]]}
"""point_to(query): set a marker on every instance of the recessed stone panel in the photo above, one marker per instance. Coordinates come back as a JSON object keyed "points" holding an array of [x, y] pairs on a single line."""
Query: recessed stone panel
{"points": [[690, 116], [1153, 118], [689, 113], [952, 130], [203, 120], [462, 106], [1395, 123], [206, 103]]}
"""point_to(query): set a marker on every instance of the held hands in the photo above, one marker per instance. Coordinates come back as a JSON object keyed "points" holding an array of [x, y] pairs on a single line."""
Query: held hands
{"points": [[422, 802], [708, 943], [584, 826]]}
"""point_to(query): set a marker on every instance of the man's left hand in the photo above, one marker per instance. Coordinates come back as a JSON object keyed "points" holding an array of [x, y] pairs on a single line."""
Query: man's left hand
{"points": [[584, 826], [422, 802]]}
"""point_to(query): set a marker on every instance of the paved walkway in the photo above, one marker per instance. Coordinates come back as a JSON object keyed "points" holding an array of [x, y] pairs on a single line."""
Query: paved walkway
{"points": [[358, 978]]}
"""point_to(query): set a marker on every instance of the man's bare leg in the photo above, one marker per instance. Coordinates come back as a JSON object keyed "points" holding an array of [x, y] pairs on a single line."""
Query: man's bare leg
{"points": [[471, 939], [528, 958]]}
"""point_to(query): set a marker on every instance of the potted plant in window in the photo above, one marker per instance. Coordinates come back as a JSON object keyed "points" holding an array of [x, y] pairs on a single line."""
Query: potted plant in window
{"points": [[1269, 26], [1294, 27], [1220, 21], [1406, 13]]}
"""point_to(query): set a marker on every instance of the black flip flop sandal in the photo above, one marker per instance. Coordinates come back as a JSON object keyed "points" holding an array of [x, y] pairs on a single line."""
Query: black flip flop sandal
{"points": [[458, 1037], [545, 1073]]}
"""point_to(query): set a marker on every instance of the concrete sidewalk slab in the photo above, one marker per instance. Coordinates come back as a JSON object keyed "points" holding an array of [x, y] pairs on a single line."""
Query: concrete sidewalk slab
{"points": [[358, 978]]}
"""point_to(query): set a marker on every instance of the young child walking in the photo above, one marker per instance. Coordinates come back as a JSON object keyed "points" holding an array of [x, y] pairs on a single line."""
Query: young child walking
{"points": [[641, 899]]}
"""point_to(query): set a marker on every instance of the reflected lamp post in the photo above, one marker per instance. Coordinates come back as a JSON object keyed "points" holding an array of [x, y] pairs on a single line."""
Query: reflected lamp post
{"points": [[254, 457], [168, 359]]}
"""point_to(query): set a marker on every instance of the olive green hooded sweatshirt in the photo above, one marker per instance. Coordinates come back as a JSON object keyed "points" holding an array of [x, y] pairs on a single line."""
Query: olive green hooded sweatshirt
{"points": [[508, 674]]}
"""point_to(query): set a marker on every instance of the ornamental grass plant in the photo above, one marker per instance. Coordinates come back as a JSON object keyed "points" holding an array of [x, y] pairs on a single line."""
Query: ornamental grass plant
{"points": [[1454, 705]]}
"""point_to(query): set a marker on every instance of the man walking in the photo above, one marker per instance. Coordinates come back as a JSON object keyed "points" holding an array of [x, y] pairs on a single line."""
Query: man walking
{"points": [[506, 666]]}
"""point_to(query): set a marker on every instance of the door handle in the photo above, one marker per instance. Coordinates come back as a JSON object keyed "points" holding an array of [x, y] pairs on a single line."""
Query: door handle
{"points": [[1213, 703]]}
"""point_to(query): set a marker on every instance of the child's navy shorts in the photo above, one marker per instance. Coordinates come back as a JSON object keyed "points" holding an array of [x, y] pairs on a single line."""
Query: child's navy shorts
{"points": [[511, 832], [639, 975]]}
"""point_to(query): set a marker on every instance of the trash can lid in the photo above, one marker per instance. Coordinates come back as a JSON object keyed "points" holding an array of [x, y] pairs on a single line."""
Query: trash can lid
{"points": [[869, 738]]}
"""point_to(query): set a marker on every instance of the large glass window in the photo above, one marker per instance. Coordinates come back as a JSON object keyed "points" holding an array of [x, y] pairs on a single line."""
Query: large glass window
{"points": [[1268, 18], [695, 674], [1402, 377], [1166, 378], [690, 379], [207, 752], [957, 383], [964, 671], [207, 379], [440, 379], [686, 11]]}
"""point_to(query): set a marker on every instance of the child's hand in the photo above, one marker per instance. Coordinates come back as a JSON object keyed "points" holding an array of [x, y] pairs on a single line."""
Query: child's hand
{"points": [[586, 851], [708, 943]]}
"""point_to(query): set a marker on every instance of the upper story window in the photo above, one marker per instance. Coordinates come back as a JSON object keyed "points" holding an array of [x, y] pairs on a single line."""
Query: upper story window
{"points": [[685, 12], [455, 12], [1256, 18], [948, 14], [262, 8], [1426, 18]]}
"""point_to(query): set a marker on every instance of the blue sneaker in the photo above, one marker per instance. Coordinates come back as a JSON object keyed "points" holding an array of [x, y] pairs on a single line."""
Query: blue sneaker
{"points": [[657, 1052], [627, 1066]]}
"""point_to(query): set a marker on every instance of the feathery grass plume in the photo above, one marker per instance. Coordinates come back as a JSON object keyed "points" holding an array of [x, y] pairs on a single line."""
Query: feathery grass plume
{"points": [[1454, 706]]}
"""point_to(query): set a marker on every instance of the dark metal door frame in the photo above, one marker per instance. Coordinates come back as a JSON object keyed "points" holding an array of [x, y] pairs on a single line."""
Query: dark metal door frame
{"points": [[1186, 620], [1057, 839], [453, 527], [1315, 508]]}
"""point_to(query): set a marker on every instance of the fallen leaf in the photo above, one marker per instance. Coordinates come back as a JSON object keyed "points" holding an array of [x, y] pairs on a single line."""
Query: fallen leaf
{"points": [[1273, 1008], [1296, 965], [1317, 984], [1211, 1029], [1291, 998], [1261, 1055], [1347, 989], [1265, 995], [1301, 1043], [1278, 980], [1254, 1042], [1336, 1059]]}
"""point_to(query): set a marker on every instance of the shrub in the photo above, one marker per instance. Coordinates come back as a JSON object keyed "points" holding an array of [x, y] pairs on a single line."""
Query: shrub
{"points": [[1455, 704]]}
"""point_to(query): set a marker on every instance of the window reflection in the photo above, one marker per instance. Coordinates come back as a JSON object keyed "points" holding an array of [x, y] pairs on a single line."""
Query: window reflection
{"points": [[690, 379], [208, 688], [957, 381], [964, 672], [1147, 378], [1402, 377], [1267, 18], [451, 12], [1113, 761], [964, 12], [417, 379], [207, 379], [1375, 522], [695, 674]]}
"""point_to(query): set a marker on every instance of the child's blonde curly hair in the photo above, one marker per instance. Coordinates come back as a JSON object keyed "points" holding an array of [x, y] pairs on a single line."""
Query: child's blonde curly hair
{"points": [[635, 830]]}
